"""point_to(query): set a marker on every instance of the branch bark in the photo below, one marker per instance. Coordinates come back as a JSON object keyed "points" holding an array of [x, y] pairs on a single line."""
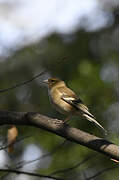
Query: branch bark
{"points": [[57, 127]]}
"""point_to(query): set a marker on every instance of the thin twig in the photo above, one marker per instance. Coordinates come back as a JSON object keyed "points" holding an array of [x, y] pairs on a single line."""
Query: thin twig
{"points": [[30, 174], [39, 158], [30, 80], [22, 83], [102, 171], [73, 167]]}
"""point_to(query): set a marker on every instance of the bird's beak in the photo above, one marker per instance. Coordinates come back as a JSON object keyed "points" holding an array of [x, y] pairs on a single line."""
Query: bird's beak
{"points": [[45, 81]]}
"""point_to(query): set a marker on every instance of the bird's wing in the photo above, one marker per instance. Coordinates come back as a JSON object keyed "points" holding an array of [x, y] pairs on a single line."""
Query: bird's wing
{"points": [[70, 97], [77, 103], [66, 92]]}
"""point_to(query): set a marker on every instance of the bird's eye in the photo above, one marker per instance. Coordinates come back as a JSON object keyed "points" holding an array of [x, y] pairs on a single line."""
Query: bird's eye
{"points": [[52, 80]]}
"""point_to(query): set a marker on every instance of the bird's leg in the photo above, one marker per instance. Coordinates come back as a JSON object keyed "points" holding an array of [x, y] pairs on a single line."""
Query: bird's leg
{"points": [[66, 119]]}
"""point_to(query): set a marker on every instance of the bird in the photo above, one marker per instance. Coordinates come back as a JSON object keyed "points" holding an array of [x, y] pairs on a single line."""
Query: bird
{"points": [[65, 101], [11, 138]]}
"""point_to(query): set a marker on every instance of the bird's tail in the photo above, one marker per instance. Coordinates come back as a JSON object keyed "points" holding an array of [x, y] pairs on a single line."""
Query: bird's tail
{"points": [[85, 112], [78, 104], [91, 119]]}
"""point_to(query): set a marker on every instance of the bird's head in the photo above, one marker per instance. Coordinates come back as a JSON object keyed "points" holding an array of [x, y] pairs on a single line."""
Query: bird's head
{"points": [[53, 81]]}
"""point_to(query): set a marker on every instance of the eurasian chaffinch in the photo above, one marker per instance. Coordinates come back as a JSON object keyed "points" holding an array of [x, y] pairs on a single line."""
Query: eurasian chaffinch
{"points": [[11, 138], [66, 102]]}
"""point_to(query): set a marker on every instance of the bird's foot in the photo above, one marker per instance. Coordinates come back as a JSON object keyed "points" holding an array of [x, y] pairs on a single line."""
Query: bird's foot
{"points": [[66, 120]]}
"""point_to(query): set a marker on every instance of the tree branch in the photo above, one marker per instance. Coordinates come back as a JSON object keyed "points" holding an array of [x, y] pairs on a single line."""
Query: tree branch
{"points": [[58, 127]]}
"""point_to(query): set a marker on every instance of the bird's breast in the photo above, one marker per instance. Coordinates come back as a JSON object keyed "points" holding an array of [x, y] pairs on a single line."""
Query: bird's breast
{"points": [[59, 104]]}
